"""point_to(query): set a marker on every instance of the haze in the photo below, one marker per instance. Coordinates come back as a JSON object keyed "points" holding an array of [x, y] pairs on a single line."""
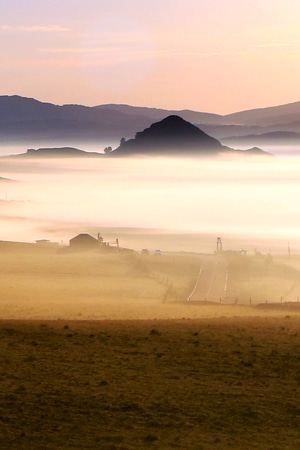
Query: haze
{"points": [[55, 199]]}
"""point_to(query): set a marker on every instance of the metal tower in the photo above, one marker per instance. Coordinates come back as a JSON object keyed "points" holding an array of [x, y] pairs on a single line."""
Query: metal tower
{"points": [[219, 245]]}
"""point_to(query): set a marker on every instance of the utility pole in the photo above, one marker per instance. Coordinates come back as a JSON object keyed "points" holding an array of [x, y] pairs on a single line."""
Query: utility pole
{"points": [[219, 245]]}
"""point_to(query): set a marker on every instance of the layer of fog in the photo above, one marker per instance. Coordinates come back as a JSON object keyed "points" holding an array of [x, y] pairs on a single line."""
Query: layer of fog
{"points": [[253, 200]]}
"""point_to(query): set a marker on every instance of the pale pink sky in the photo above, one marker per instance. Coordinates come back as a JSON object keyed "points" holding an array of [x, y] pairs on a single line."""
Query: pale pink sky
{"points": [[216, 55]]}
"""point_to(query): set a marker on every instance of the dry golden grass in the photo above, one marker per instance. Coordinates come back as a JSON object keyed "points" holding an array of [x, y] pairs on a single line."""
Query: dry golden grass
{"points": [[214, 380], [45, 283], [264, 279], [189, 384]]}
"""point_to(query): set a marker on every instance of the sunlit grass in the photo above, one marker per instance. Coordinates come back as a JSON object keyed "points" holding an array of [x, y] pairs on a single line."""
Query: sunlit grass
{"points": [[56, 283], [222, 383]]}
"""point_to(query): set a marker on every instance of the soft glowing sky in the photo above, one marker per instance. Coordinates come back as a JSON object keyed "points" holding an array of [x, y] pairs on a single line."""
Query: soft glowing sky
{"points": [[208, 55]]}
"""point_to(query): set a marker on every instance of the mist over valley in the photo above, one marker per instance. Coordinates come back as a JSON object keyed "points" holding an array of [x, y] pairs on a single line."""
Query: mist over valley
{"points": [[253, 198]]}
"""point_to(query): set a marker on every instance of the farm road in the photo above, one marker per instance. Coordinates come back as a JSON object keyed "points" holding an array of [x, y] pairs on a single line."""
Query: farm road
{"points": [[211, 284]]}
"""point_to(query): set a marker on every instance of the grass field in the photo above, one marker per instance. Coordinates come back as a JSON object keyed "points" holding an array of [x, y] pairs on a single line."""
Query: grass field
{"points": [[47, 283], [192, 384], [109, 355], [54, 283]]}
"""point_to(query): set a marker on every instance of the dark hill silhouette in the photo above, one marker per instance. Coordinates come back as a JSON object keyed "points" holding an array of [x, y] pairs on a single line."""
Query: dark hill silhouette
{"points": [[281, 114], [156, 114], [62, 152], [169, 136], [28, 121], [175, 136], [254, 151]]}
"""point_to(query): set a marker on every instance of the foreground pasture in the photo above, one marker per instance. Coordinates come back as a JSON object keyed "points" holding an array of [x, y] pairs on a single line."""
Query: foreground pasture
{"points": [[192, 384]]}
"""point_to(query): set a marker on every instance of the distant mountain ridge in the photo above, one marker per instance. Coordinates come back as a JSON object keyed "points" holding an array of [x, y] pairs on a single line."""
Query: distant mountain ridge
{"points": [[272, 138], [30, 121]]}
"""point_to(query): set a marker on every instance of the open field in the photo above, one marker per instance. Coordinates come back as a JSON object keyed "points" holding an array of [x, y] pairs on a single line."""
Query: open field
{"points": [[110, 355], [53, 283], [162, 384]]}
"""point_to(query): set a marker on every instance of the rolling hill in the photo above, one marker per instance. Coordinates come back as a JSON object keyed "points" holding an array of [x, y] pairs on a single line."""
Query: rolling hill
{"points": [[170, 136]]}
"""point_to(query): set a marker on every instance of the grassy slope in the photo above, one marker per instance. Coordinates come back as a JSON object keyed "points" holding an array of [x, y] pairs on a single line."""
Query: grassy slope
{"points": [[44, 283], [264, 279]]}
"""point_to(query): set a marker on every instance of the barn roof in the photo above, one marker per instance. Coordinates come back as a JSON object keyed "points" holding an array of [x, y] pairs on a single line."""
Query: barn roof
{"points": [[84, 237]]}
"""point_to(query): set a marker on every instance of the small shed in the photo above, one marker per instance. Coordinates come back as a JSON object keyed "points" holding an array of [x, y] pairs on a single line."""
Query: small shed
{"points": [[84, 241]]}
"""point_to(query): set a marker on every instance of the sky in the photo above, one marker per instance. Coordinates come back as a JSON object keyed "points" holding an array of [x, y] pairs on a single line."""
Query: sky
{"points": [[217, 56]]}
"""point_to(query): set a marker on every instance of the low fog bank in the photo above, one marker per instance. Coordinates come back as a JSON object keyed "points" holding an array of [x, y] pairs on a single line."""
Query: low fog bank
{"points": [[248, 202]]}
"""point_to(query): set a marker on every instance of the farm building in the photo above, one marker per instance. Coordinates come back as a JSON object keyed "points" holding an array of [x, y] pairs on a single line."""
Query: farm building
{"points": [[84, 241]]}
